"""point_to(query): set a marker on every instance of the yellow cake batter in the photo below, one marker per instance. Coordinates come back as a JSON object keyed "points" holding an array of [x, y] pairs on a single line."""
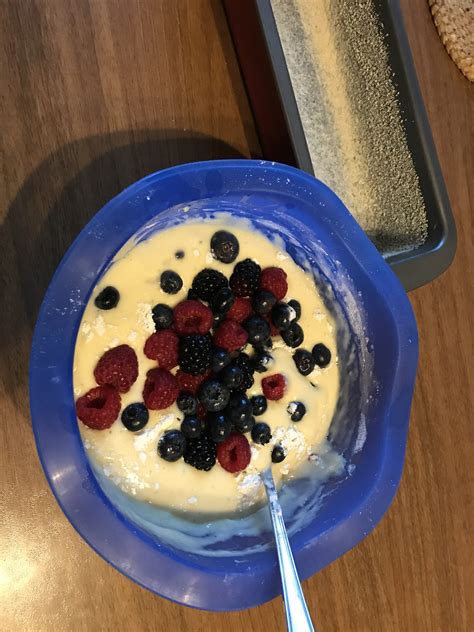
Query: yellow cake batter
{"points": [[130, 459]]}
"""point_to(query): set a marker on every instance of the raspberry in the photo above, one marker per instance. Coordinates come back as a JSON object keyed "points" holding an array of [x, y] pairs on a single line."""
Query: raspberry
{"points": [[161, 389], [234, 453], [274, 280], [273, 386], [207, 283], [230, 336], [117, 367], [274, 331], [162, 346], [192, 317], [99, 407], [240, 310], [245, 278], [191, 383]]}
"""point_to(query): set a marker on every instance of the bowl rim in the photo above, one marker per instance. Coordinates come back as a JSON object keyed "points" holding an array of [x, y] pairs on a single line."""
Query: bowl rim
{"points": [[338, 538]]}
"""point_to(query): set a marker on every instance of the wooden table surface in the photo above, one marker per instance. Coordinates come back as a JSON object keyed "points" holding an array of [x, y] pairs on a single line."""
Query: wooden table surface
{"points": [[98, 93]]}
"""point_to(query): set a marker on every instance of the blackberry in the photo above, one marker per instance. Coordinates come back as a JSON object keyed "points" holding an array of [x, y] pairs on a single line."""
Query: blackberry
{"points": [[321, 355], [293, 336], [201, 453], [195, 354], [107, 298], [207, 283], [244, 362], [245, 278], [224, 246], [170, 282], [162, 316]]}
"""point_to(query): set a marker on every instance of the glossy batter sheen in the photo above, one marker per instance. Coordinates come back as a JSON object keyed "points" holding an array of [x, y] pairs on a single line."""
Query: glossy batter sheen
{"points": [[130, 459]]}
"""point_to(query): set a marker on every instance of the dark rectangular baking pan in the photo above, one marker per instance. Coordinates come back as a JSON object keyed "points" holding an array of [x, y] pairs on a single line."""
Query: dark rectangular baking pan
{"points": [[280, 130]]}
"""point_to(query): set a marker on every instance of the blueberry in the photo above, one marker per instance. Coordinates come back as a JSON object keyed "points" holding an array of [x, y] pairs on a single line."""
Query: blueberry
{"points": [[135, 416], [304, 361], [187, 403], [213, 395], [297, 410], [232, 376], [278, 454], [259, 404], [245, 424], [240, 408], [296, 305], [191, 427], [266, 344], [192, 295], [162, 316], [222, 301], [170, 282], [258, 329], [218, 319], [107, 298], [283, 315], [262, 361], [293, 336], [321, 355], [263, 301], [261, 433], [220, 358], [179, 254], [219, 426], [172, 445], [224, 246]]}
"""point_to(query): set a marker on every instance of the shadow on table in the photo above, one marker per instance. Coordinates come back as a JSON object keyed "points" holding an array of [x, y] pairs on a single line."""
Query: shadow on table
{"points": [[54, 204]]}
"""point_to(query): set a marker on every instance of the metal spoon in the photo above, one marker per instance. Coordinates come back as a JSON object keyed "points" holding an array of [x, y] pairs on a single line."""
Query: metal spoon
{"points": [[297, 615]]}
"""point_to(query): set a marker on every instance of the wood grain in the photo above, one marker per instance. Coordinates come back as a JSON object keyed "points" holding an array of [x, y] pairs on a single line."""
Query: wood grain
{"points": [[98, 93]]}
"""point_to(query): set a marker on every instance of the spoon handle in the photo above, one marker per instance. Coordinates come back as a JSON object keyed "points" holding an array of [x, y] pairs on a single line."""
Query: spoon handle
{"points": [[297, 615]]}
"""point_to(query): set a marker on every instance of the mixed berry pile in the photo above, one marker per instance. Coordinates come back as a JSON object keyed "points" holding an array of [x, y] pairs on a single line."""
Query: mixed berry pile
{"points": [[201, 365]]}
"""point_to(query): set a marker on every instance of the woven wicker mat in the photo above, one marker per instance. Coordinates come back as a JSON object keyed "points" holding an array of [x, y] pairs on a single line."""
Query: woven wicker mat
{"points": [[454, 20]]}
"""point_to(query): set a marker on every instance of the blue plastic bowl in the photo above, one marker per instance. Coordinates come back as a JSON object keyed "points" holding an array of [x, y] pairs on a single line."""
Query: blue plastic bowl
{"points": [[377, 346]]}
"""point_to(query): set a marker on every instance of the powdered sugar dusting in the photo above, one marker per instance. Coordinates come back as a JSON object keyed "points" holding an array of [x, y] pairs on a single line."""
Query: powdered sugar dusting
{"points": [[149, 436], [145, 318]]}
